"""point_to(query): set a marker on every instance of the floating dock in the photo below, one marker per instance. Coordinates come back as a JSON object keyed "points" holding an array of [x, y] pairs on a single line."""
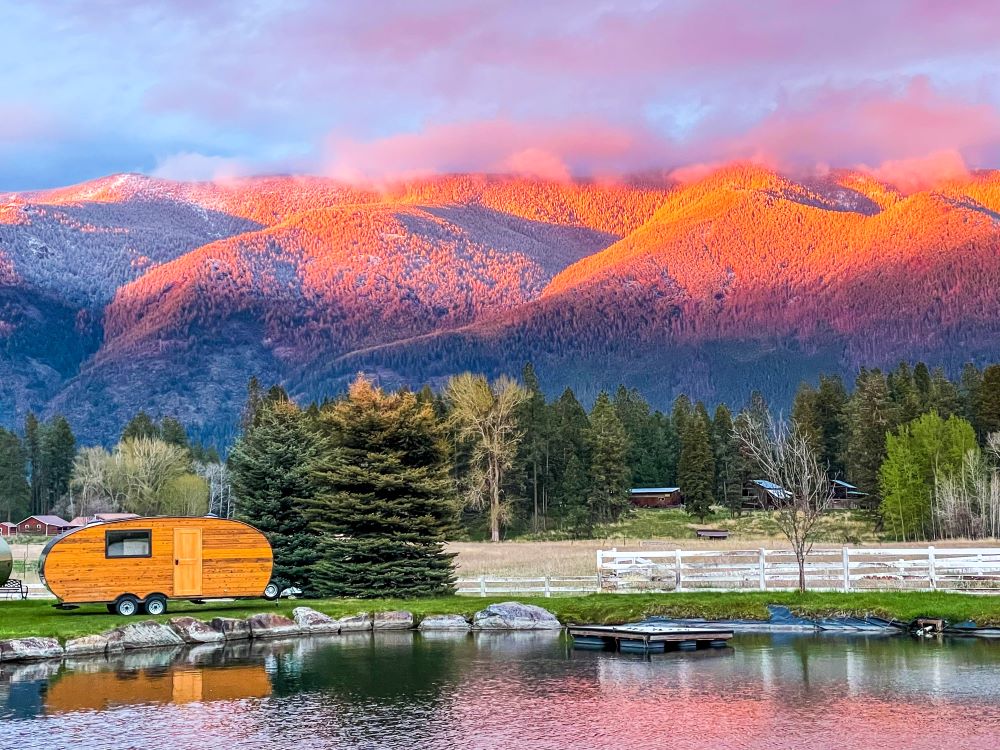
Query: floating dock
{"points": [[649, 637]]}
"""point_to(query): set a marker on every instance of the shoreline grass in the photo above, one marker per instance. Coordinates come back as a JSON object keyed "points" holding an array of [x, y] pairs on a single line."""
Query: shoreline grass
{"points": [[40, 619]]}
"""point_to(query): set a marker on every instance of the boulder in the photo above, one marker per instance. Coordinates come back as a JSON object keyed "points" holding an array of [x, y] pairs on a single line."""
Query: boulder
{"points": [[102, 643], [515, 616], [444, 622], [355, 623], [30, 649], [195, 631], [393, 620], [232, 628], [310, 621], [271, 625], [146, 634]]}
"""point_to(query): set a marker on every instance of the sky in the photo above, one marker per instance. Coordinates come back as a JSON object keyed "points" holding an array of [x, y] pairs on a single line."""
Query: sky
{"points": [[383, 89]]}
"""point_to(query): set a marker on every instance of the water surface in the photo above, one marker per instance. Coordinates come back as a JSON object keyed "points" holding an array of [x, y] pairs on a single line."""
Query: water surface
{"points": [[519, 690]]}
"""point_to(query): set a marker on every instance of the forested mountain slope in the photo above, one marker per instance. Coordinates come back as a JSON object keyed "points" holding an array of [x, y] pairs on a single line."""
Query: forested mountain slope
{"points": [[131, 292]]}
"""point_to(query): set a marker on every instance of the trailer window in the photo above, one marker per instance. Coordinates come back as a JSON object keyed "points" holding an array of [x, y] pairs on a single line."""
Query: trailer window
{"points": [[133, 543]]}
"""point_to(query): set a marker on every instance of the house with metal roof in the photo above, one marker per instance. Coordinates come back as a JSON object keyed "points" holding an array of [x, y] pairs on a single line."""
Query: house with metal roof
{"points": [[763, 494], [42, 525], [655, 497]]}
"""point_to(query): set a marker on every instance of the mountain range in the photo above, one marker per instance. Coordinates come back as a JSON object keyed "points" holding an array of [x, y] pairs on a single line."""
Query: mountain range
{"points": [[132, 292]]}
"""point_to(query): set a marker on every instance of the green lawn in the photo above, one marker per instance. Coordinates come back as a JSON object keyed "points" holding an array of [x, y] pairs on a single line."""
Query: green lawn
{"points": [[39, 618]]}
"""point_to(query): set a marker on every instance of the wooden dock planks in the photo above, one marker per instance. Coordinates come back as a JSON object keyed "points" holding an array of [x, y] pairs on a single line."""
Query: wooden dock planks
{"points": [[649, 636]]}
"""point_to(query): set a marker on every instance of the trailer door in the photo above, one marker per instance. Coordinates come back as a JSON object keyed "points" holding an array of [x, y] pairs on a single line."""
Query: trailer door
{"points": [[187, 562]]}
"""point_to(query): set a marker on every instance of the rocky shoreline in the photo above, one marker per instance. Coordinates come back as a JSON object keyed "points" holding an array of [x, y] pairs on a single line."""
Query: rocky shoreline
{"points": [[305, 621]]}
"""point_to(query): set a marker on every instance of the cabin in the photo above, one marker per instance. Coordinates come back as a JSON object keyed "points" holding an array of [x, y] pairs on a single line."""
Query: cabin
{"points": [[655, 497], [848, 497], [7, 528], [42, 526], [763, 494], [138, 564]]}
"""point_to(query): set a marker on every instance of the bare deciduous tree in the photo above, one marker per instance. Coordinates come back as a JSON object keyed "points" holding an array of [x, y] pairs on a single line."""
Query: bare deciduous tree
{"points": [[484, 416], [783, 454]]}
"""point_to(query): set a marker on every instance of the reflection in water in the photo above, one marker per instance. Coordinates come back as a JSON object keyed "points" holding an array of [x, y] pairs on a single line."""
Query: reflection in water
{"points": [[412, 690]]}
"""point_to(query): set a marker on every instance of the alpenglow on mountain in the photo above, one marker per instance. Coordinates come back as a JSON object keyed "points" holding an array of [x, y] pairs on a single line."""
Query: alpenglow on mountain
{"points": [[131, 293]]}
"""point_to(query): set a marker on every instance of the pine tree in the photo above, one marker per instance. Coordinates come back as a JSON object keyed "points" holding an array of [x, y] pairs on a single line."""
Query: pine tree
{"points": [[383, 502], [609, 475], [140, 426], [870, 415], [270, 467], [831, 403], [172, 432], [696, 469], [725, 448], [944, 395], [970, 388], [903, 393], [569, 428], [576, 508], [644, 437], [988, 406], [923, 386], [33, 446], [805, 415], [58, 449], [15, 493], [534, 419]]}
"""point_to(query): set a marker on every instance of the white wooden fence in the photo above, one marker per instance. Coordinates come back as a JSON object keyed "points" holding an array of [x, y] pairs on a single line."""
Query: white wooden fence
{"points": [[842, 569], [543, 586]]}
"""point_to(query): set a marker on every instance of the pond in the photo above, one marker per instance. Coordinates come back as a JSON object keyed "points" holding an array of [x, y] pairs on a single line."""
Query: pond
{"points": [[518, 690]]}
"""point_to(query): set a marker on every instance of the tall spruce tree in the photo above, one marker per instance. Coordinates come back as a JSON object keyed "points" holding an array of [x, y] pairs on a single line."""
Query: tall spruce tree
{"points": [[988, 406], [830, 406], [725, 448], [870, 416], [805, 415], [969, 389], [534, 417], [270, 471], [696, 469], [569, 425], [384, 501], [644, 437], [172, 432], [944, 396], [58, 449], [610, 478], [33, 446], [15, 493]]}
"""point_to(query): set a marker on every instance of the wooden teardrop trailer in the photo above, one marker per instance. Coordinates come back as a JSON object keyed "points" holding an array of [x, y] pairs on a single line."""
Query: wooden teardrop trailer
{"points": [[140, 563]]}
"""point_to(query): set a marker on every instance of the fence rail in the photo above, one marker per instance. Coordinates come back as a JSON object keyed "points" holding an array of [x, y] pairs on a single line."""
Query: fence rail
{"points": [[543, 586], [841, 569]]}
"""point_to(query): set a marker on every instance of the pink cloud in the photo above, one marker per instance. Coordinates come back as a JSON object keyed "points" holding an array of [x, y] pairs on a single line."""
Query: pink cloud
{"points": [[921, 173], [550, 150]]}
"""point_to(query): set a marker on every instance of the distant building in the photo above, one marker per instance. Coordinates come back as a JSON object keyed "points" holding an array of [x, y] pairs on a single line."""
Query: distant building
{"points": [[7, 528], [43, 525], [656, 497], [81, 521], [849, 497], [763, 494]]}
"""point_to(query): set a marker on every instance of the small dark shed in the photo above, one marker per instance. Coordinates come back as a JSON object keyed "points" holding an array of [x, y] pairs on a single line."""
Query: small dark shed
{"points": [[656, 497]]}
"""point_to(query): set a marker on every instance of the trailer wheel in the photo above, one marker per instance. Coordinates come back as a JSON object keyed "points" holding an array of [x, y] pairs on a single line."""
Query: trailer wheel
{"points": [[271, 591], [156, 605], [126, 605]]}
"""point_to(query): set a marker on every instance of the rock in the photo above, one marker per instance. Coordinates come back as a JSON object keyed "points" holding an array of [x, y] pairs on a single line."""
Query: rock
{"points": [[394, 620], [195, 631], [515, 616], [270, 625], [311, 621], [146, 634], [30, 649], [355, 623], [232, 628], [444, 622], [102, 643]]}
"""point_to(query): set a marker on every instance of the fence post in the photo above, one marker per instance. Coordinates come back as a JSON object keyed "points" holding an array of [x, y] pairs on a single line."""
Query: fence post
{"points": [[482, 585], [932, 568], [600, 564], [678, 583], [846, 555], [762, 570], [548, 591]]}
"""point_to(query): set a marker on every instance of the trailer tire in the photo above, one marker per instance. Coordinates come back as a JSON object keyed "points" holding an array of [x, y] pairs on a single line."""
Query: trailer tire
{"points": [[126, 605], [271, 591], [155, 604]]}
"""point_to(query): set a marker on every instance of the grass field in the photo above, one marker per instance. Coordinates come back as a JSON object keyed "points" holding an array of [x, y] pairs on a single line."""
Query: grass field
{"points": [[39, 618]]}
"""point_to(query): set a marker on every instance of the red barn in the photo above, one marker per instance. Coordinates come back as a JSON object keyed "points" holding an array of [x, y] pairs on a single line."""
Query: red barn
{"points": [[7, 528], [42, 525]]}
